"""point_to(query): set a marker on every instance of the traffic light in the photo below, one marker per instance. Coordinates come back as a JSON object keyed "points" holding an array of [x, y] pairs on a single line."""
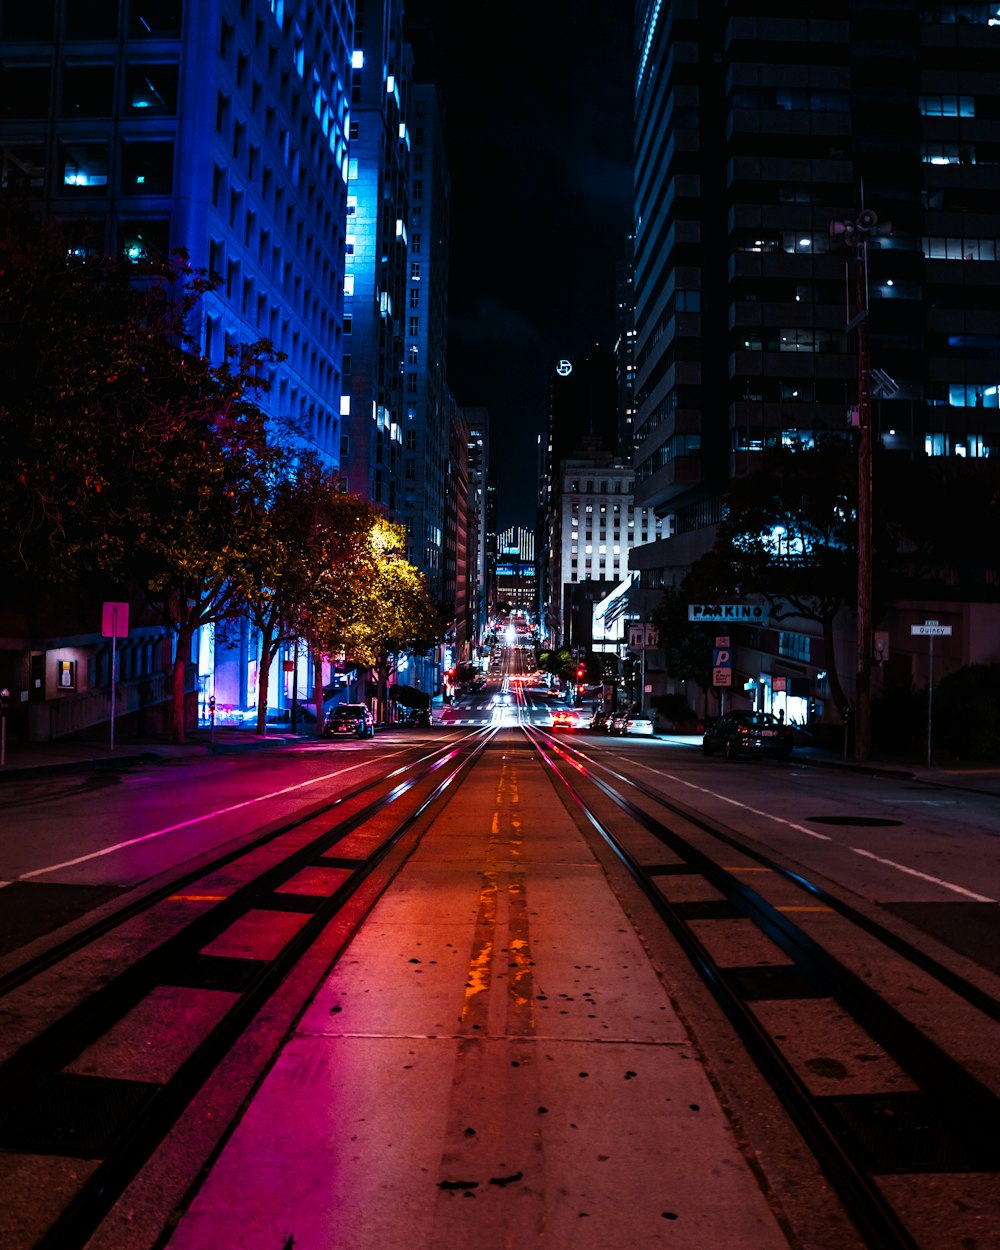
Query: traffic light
{"points": [[581, 672]]}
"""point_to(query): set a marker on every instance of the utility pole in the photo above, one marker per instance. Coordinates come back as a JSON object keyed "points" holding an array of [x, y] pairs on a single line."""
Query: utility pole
{"points": [[857, 234]]}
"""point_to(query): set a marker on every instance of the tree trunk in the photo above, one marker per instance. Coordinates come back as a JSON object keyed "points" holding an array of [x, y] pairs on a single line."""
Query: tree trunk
{"points": [[318, 691], [184, 635], [267, 654]]}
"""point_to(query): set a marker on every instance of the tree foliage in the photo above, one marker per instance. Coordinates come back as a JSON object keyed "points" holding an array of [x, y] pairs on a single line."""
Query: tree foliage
{"points": [[131, 456], [789, 537]]}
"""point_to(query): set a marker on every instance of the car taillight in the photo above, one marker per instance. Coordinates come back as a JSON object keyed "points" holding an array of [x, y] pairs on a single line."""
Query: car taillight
{"points": [[743, 729]]}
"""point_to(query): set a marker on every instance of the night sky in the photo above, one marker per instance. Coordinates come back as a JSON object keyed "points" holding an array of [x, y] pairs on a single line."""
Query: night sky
{"points": [[537, 105]]}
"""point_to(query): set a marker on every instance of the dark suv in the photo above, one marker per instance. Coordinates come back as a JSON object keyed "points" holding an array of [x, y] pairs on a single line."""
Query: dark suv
{"points": [[748, 733], [349, 718]]}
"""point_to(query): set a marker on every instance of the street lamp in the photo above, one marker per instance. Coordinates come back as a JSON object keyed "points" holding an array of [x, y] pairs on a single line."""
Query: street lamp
{"points": [[858, 234]]}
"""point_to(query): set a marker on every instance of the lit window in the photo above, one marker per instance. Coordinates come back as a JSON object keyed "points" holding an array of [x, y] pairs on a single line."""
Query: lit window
{"points": [[357, 59]]}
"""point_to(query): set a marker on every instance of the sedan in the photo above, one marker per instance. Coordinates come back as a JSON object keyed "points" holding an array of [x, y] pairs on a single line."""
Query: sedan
{"points": [[639, 723], [565, 720], [349, 719], [748, 733]]}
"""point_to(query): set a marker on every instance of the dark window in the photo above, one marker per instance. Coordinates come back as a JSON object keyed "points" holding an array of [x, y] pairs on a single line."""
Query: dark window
{"points": [[83, 167], [91, 19], [147, 167], [84, 237], [143, 238], [155, 19], [151, 89], [19, 20], [88, 90], [24, 90], [22, 166]]}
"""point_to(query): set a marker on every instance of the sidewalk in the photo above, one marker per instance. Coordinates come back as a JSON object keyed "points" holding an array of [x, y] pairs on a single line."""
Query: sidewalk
{"points": [[66, 755]]}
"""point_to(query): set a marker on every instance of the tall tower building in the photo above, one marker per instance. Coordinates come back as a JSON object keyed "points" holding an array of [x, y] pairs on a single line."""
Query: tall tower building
{"points": [[479, 472], [215, 126], [625, 349], [377, 264], [425, 426], [757, 137]]}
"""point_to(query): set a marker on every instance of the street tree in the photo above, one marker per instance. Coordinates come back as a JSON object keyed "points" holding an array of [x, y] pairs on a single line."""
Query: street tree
{"points": [[128, 455], [343, 564], [304, 560], [789, 536], [687, 647], [401, 617]]}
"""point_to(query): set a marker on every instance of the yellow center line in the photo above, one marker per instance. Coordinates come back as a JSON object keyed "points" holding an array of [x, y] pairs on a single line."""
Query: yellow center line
{"points": [[197, 898]]}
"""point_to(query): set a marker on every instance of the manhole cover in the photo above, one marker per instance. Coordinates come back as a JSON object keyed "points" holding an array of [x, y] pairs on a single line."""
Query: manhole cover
{"points": [[868, 821]]}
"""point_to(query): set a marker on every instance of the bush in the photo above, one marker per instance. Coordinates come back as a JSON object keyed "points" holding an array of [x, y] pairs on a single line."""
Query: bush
{"points": [[966, 713]]}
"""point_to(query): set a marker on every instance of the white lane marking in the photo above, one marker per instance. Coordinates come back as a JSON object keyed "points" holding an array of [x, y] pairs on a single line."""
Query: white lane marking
{"points": [[890, 863], [912, 872], [812, 833], [158, 833]]}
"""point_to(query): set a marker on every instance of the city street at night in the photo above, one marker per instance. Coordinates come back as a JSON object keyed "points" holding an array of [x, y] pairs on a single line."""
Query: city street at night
{"points": [[448, 987]]}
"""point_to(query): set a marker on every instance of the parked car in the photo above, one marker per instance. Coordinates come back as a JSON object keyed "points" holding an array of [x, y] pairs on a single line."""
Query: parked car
{"points": [[617, 722], [748, 733], [415, 716], [639, 723], [349, 719]]}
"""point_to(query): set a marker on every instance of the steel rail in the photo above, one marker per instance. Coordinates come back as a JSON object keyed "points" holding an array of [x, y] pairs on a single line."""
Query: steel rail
{"points": [[973, 994], [150, 1123], [53, 955], [846, 1169]]}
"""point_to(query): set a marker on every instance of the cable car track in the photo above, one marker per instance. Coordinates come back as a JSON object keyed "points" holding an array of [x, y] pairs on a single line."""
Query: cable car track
{"points": [[48, 1108], [949, 1121]]}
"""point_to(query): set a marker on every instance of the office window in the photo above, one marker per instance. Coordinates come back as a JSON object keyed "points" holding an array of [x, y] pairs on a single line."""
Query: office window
{"points": [[25, 90], [155, 19], [26, 21], [142, 238], [87, 90], [147, 167], [84, 166], [22, 166], [151, 88], [90, 19]]}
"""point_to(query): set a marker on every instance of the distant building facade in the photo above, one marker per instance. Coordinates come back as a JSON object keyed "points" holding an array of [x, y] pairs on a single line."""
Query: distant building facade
{"points": [[216, 126], [759, 143]]}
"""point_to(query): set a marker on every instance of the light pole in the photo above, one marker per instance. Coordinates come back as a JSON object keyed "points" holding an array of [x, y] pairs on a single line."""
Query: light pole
{"points": [[857, 235]]}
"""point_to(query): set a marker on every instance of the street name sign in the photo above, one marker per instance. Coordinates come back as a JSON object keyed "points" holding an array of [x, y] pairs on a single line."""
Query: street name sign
{"points": [[931, 629]]}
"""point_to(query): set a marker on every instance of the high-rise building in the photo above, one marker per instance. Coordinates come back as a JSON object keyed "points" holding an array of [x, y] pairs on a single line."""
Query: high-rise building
{"points": [[215, 126], [378, 265], [219, 127], [478, 420], [582, 420], [425, 424], [765, 138], [625, 349], [597, 527]]}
